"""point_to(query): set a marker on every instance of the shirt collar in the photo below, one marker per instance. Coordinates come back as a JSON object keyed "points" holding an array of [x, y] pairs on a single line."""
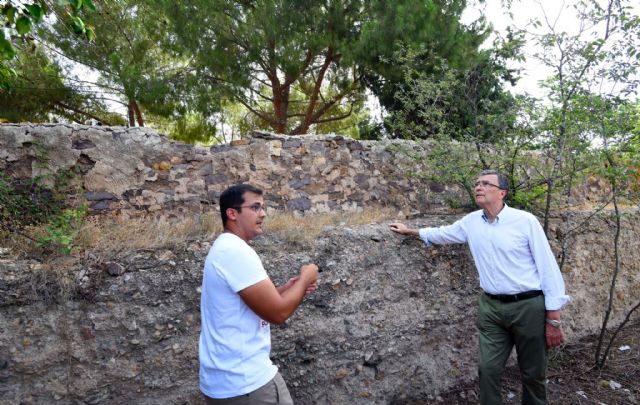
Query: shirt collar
{"points": [[504, 211]]}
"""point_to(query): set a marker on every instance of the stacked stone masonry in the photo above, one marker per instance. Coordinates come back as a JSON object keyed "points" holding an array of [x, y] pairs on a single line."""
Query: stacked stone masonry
{"points": [[136, 170]]}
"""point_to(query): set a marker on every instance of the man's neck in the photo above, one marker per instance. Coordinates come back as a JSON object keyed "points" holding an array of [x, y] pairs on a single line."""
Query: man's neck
{"points": [[235, 232], [492, 212]]}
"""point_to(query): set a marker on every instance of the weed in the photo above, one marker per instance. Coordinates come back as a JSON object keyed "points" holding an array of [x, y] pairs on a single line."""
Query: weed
{"points": [[62, 230]]}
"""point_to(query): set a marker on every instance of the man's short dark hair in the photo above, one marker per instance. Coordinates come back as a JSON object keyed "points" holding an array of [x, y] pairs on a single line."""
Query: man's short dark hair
{"points": [[503, 181], [233, 197]]}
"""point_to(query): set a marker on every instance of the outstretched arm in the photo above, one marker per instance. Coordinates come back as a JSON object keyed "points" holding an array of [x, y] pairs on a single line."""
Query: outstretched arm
{"points": [[402, 229]]}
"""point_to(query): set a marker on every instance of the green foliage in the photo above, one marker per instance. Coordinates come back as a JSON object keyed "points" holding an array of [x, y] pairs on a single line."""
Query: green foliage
{"points": [[19, 20], [619, 161], [427, 32], [191, 128], [369, 130], [29, 203], [448, 162], [595, 61], [424, 106], [38, 93], [296, 63], [129, 55], [43, 200], [62, 230], [25, 202], [291, 49], [529, 199], [463, 103]]}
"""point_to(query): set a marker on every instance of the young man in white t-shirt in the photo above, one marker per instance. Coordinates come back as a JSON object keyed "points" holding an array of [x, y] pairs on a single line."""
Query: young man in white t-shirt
{"points": [[238, 304]]}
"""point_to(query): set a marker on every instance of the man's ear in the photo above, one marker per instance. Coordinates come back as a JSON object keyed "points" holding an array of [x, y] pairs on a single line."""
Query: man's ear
{"points": [[232, 214]]}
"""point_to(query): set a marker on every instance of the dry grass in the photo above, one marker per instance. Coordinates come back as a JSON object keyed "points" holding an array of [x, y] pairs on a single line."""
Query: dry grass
{"points": [[109, 237], [112, 236], [304, 230]]}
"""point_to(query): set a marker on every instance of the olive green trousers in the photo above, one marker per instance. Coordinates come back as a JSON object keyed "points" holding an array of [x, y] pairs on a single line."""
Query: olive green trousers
{"points": [[501, 326]]}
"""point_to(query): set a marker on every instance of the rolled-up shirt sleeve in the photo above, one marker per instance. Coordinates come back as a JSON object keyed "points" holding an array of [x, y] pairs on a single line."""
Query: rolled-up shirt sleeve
{"points": [[550, 277]]}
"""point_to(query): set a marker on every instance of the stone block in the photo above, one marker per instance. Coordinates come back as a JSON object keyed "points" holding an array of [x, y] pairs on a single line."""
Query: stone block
{"points": [[100, 195], [100, 206], [82, 144], [299, 204], [216, 179], [292, 143]]}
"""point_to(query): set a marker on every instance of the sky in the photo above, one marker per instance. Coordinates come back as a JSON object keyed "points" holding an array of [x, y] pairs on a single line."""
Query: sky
{"points": [[522, 12], [558, 12]]}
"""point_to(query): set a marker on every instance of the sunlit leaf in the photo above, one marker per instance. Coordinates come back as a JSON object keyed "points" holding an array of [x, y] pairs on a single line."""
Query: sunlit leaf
{"points": [[36, 12], [10, 12], [23, 25], [88, 4], [7, 51], [90, 33], [77, 25]]}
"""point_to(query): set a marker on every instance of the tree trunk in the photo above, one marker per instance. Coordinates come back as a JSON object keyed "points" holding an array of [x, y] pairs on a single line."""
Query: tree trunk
{"points": [[134, 114], [601, 359], [280, 107], [557, 162], [308, 116], [130, 113]]}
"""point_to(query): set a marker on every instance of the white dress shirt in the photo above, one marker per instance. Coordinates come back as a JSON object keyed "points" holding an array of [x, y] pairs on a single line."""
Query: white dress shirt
{"points": [[512, 254]]}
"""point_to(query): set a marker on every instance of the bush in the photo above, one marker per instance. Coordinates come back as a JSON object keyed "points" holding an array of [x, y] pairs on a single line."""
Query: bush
{"points": [[25, 203], [62, 230]]}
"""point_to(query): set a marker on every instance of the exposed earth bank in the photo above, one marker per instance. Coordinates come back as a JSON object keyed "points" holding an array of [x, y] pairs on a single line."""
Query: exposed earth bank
{"points": [[391, 322]]}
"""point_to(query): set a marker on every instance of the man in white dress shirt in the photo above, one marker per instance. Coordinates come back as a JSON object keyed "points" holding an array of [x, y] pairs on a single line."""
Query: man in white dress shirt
{"points": [[238, 303], [524, 290]]}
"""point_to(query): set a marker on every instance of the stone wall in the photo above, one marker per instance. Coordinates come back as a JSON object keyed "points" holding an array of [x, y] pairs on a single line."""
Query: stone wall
{"points": [[136, 170]]}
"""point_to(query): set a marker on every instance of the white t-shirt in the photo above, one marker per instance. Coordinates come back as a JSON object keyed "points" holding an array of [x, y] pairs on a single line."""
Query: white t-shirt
{"points": [[234, 342]]}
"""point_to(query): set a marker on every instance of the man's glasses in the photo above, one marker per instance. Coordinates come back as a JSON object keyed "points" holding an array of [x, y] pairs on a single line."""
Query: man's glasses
{"points": [[484, 183], [257, 207]]}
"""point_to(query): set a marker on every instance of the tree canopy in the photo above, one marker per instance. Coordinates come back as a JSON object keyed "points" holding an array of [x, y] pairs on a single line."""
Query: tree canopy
{"points": [[38, 92], [20, 18], [133, 68], [299, 63]]}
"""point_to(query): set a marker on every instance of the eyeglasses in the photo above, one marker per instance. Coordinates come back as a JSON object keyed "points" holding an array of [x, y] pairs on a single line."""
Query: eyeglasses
{"points": [[257, 207], [484, 183]]}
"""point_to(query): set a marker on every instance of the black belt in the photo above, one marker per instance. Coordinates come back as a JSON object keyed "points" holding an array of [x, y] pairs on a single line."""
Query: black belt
{"points": [[514, 297]]}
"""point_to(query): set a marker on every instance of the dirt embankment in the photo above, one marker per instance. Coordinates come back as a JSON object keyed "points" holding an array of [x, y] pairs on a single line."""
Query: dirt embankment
{"points": [[392, 320]]}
